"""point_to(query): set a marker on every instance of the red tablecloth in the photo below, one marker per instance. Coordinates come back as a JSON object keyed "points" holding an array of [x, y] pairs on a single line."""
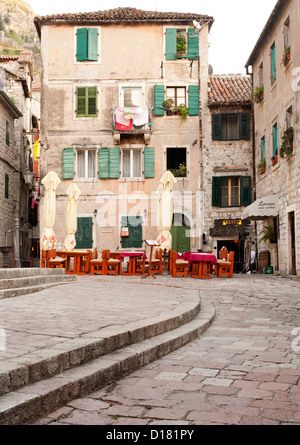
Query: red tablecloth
{"points": [[129, 254], [199, 256]]}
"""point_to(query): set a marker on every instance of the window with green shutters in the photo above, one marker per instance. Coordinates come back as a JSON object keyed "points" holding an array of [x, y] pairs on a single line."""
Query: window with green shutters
{"points": [[275, 140], [87, 44], [159, 97], [231, 191], [176, 93], [230, 126], [7, 133], [193, 100], [173, 35], [273, 63], [86, 101], [135, 229], [109, 163], [149, 162]]}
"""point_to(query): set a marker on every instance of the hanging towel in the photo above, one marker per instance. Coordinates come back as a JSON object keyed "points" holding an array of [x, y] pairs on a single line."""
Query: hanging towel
{"points": [[141, 117], [128, 125], [120, 119]]}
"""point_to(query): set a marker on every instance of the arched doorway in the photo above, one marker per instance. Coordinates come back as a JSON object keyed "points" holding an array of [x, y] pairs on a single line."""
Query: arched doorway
{"points": [[180, 232]]}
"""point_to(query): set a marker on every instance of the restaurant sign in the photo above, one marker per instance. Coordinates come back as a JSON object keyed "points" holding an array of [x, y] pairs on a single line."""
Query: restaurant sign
{"points": [[228, 227]]}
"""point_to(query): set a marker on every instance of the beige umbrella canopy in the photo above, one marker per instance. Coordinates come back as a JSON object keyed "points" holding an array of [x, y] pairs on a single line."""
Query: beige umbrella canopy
{"points": [[50, 181], [71, 217], [165, 209]]}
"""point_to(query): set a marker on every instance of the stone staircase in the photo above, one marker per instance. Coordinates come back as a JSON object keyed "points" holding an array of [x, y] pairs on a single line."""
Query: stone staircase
{"points": [[22, 281], [75, 367]]}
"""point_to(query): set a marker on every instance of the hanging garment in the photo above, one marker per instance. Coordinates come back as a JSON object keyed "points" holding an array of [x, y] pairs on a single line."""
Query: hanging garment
{"points": [[120, 119], [141, 117], [124, 127]]}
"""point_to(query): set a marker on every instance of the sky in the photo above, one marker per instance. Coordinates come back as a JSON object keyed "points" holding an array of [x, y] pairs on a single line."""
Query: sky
{"points": [[236, 29]]}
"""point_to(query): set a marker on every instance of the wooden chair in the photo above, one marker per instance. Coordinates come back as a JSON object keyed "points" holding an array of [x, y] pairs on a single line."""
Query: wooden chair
{"points": [[225, 268], [53, 261], [223, 256], [97, 265], [141, 265], [177, 267], [112, 265], [85, 262], [157, 262]]}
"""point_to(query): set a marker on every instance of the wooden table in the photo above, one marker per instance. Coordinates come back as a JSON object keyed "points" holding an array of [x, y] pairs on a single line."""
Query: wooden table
{"points": [[78, 256], [198, 262], [133, 256]]}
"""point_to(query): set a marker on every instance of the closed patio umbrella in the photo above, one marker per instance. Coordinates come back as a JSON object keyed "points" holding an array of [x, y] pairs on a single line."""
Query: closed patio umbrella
{"points": [[165, 209], [71, 217], [50, 182]]}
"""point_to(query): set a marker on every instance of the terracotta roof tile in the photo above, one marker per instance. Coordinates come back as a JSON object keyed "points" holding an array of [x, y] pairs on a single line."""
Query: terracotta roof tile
{"points": [[121, 15], [229, 89]]}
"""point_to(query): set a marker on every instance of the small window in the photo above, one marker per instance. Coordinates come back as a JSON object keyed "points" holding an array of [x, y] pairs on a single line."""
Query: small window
{"points": [[86, 164], [287, 41], [87, 44], [7, 133], [230, 192], [289, 117], [275, 140], [273, 63], [177, 94], [261, 75], [86, 101], [230, 127], [263, 148], [177, 161], [132, 163], [132, 97], [6, 191]]}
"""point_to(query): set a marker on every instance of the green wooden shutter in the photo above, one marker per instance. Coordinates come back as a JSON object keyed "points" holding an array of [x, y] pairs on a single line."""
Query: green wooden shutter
{"points": [[82, 44], [6, 192], [171, 43], [114, 162], [149, 162], [274, 62], [92, 101], [217, 127], [84, 233], [7, 133], [81, 100], [92, 46], [193, 45], [246, 190], [193, 100], [135, 227], [68, 163], [217, 191], [244, 125], [103, 163], [264, 148], [159, 97]]}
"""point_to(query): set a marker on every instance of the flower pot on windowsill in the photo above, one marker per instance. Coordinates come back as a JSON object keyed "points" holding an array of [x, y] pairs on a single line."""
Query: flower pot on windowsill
{"points": [[274, 159]]}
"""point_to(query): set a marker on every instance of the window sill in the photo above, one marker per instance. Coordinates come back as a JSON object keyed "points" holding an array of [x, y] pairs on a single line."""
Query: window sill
{"points": [[132, 180]]}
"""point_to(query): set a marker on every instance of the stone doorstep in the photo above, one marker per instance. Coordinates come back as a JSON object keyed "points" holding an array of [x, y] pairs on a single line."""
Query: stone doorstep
{"points": [[29, 289], [10, 273], [39, 399], [46, 363], [22, 282]]}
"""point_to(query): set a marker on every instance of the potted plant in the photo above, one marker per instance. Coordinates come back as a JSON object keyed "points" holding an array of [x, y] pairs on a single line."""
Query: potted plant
{"points": [[274, 159], [287, 142], [258, 94], [169, 105], [179, 172], [286, 56], [183, 111], [262, 166], [269, 234], [180, 45]]}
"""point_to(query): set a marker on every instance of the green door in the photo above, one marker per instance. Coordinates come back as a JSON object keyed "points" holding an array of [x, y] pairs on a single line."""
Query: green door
{"points": [[180, 238], [135, 228], [84, 234]]}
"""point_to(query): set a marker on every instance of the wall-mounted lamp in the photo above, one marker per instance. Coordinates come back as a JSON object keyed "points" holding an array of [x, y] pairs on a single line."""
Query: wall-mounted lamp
{"points": [[95, 212], [28, 177]]}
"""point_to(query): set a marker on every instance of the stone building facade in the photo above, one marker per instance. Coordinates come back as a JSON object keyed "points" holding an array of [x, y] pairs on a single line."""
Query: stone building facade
{"points": [[228, 166], [275, 62], [105, 78]]}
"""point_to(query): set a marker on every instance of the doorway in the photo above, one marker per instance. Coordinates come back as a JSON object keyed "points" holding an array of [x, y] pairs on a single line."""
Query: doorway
{"points": [[238, 248], [292, 249], [180, 232]]}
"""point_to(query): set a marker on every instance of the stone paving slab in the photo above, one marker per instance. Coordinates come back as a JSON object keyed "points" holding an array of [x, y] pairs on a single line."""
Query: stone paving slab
{"points": [[244, 370]]}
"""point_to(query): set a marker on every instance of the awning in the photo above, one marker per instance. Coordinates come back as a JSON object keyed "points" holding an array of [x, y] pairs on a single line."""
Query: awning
{"points": [[262, 208]]}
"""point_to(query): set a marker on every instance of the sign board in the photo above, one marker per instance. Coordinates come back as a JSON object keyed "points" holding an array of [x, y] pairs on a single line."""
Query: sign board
{"points": [[124, 231]]}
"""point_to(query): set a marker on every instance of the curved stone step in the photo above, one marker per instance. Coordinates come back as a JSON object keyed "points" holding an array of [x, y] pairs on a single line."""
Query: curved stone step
{"points": [[26, 404]]}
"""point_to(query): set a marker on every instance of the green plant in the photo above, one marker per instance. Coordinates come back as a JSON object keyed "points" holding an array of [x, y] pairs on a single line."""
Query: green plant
{"points": [[181, 44], [258, 93], [180, 171], [169, 104], [182, 110], [262, 165], [286, 55], [269, 234], [287, 143]]}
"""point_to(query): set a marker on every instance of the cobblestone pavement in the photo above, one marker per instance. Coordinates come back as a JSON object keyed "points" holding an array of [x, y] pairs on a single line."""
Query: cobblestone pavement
{"points": [[243, 370]]}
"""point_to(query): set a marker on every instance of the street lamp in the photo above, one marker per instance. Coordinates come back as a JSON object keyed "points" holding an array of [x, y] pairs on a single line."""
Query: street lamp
{"points": [[28, 177]]}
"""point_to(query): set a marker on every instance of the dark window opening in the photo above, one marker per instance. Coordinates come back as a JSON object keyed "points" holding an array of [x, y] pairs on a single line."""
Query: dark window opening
{"points": [[176, 161]]}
